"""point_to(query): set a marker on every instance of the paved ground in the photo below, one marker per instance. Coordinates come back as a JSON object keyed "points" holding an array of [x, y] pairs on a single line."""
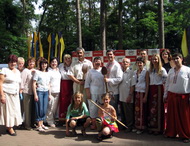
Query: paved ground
{"points": [[56, 137]]}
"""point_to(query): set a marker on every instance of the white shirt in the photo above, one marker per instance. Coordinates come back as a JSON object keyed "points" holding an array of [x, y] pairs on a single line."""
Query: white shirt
{"points": [[126, 83], [182, 84], [140, 81], [55, 80], [76, 68], [11, 81], [27, 80], [64, 70], [42, 79], [95, 81], [156, 79], [115, 77]]}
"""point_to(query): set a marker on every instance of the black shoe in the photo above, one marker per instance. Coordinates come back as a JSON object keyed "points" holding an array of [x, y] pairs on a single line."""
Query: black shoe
{"points": [[186, 140], [11, 134]]}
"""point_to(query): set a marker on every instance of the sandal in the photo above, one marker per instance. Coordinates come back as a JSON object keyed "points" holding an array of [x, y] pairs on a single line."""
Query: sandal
{"points": [[83, 132], [186, 140], [99, 138], [11, 134], [74, 133]]}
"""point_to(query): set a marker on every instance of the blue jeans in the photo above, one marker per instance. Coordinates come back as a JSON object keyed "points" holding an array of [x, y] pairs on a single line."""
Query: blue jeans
{"points": [[41, 105]]}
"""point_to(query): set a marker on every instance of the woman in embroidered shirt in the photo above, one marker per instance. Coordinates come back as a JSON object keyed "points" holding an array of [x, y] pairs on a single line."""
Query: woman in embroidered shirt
{"points": [[77, 115], [177, 94], [106, 124], [66, 90], [141, 92], [157, 76]]}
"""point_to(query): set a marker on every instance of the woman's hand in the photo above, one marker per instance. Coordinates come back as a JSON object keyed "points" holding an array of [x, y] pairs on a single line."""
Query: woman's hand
{"points": [[36, 98], [3, 99], [74, 118], [144, 99]]}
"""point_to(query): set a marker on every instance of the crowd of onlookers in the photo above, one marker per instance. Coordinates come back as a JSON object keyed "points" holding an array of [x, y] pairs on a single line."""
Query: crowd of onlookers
{"points": [[149, 96]]}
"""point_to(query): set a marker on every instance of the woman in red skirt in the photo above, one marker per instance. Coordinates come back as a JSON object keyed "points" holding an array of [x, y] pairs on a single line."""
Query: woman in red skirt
{"points": [[66, 91], [157, 76]]}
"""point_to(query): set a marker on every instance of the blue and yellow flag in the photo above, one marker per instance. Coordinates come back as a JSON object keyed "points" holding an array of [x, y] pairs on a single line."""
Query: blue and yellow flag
{"points": [[35, 43], [56, 44], [40, 46], [62, 48], [184, 47]]}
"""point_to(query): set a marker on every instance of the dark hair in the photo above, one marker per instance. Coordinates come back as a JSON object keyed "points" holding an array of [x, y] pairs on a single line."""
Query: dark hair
{"points": [[108, 94], [110, 50], [177, 55], [12, 58], [169, 55], [31, 59], [55, 59], [97, 58], [43, 61], [143, 50], [140, 59]]}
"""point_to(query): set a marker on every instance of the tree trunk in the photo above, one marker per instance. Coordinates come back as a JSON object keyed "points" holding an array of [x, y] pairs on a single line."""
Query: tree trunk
{"points": [[161, 24], [120, 33], [103, 24], [24, 11], [79, 31]]}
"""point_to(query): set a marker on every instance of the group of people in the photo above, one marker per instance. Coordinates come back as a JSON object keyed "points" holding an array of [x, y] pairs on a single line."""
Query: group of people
{"points": [[152, 95]]}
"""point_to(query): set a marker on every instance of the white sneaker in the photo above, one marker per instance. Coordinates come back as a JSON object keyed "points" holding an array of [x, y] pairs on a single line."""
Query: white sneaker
{"points": [[52, 125], [139, 132], [44, 127], [40, 129], [134, 130]]}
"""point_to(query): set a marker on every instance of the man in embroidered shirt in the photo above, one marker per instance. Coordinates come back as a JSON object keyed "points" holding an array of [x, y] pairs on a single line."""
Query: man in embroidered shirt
{"points": [[114, 77]]}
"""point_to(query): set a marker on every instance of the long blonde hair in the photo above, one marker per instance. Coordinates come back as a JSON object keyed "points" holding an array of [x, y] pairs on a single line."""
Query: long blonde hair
{"points": [[73, 101], [158, 69]]}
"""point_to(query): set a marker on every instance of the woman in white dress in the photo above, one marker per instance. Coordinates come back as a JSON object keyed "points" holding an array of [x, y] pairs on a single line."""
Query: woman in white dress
{"points": [[10, 113], [94, 86]]}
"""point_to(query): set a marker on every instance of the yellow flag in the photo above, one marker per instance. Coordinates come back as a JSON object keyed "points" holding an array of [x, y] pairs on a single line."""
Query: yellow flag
{"points": [[29, 44], [62, 48], [35, 39], [184, 46], [56, 43], [49, 51], [40, 46]]}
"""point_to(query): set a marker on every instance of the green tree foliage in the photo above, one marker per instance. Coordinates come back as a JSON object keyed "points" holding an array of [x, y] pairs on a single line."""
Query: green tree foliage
{"points": [[139, 24], [12, 36]]}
